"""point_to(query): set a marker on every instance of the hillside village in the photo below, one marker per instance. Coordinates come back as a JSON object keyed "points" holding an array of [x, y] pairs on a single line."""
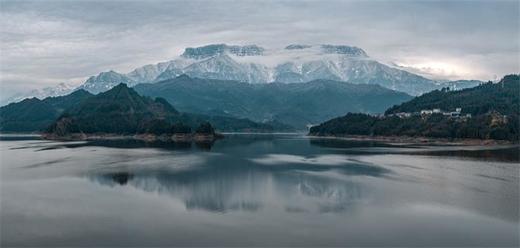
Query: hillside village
{"points": [[425, 112]]}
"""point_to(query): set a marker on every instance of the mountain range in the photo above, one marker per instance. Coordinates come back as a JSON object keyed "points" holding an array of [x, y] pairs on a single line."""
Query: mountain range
{"points": [[296, 104], [296, 63], [59, 90], [119, 110], [228, 105]]}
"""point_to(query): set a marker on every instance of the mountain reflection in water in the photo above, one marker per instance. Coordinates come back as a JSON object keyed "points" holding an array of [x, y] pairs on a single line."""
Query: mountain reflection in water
{"points": [[248, 187]]}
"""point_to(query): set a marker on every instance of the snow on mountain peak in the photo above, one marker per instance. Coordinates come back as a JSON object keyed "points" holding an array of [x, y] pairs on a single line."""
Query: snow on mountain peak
{"points": [[105, 81]]}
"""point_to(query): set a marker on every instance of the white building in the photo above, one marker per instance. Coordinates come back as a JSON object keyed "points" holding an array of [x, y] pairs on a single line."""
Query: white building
{"points": [[403, 115]]}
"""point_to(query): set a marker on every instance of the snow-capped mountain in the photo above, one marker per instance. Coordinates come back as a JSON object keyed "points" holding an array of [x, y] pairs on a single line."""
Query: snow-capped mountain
{"points": [[105, 81], [58, 90], [296, 63], [147, 73]]}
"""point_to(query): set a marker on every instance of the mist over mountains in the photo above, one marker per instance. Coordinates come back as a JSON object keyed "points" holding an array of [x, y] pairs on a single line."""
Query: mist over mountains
{"points": [[296, 63]]}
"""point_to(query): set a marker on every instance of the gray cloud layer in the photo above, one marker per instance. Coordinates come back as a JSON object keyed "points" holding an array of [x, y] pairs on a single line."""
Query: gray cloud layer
{"points": [[43, 43]]}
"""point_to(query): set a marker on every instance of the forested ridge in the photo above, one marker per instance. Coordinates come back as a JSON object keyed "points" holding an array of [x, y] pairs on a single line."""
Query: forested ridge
{"points": [[119, 110], [494, 109], [503, 97]]}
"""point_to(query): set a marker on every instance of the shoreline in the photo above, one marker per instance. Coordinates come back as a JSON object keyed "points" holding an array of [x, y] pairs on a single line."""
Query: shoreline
{"points": [[178, 138], [418, 140], [210, 138]]}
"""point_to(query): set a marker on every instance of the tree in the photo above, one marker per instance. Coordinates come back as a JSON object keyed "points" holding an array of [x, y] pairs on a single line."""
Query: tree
{"points": [[180, 128], [205, 128], [157, 126]]}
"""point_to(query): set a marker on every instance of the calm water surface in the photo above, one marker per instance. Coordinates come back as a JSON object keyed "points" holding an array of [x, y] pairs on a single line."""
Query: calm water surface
{"points": [[256, 190]]}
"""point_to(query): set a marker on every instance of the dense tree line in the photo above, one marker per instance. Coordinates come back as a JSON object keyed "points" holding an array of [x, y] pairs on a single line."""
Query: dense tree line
{"points": [[503, 97], [494, 108], [67, 125], [119, 110], [205, 128], [159, 127], [180, 128], [486, 126], [122, 111], [33, 114]]}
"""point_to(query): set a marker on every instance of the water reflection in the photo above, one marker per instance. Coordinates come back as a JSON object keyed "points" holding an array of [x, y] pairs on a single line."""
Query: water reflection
{"points": [[15, 137], [344, 143], [341, 164], [248, 187], [120, 178], [506, 153], [256, 191], [136, 144]]}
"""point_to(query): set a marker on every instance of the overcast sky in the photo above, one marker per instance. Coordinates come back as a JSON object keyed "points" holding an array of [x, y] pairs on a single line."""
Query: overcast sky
{"points": [[44, 43]]}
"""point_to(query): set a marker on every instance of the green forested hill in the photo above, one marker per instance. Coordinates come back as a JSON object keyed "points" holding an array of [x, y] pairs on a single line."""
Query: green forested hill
{"points": [[120, 110], [485, 126], [494, 108], [33, 114], [296, 104], [503, 97]]}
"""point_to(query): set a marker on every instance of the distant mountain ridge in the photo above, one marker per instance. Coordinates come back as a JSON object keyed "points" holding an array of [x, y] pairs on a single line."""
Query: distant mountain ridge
{"points": [[120, 110], [58, 90], [295, 104], [296, 63], [109, 79]]}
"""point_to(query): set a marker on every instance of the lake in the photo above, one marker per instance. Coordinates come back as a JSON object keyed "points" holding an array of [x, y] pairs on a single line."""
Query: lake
{"points": [[257, 190]]}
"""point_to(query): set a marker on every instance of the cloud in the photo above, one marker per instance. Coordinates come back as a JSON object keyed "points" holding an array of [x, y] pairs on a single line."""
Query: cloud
{"points": [[43, 43]]}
